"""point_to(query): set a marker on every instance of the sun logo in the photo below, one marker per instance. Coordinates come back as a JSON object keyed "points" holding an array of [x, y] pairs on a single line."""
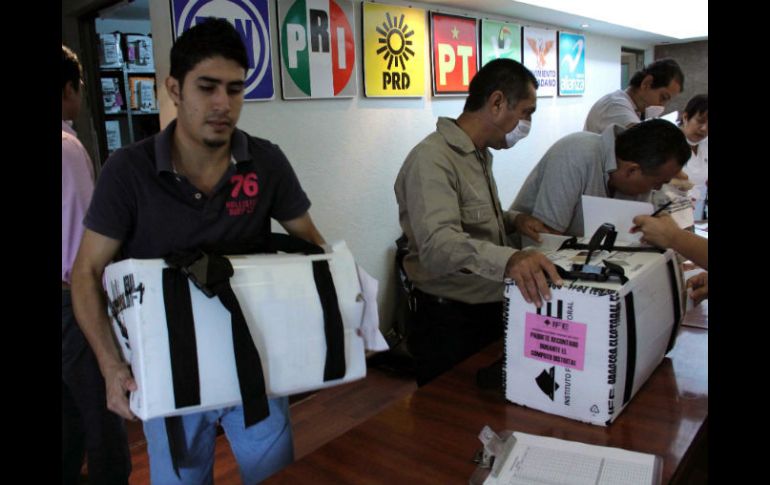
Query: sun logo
{"points": [[396, 40]]}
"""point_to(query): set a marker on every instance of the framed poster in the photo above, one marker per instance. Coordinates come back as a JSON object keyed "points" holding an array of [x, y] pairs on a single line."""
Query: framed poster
{"points": [[394, 50], [454, 53], [318, 54], [572, 64], [251, 20], [540, 57], [499, 40]]}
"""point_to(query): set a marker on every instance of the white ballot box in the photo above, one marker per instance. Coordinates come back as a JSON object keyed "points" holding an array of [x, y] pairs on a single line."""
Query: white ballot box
{"points": [[587, 352], [280, 301]]}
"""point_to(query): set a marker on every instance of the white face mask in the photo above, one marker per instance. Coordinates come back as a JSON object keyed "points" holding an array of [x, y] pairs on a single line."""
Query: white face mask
{"points": [[521, 131], [653, 112]]}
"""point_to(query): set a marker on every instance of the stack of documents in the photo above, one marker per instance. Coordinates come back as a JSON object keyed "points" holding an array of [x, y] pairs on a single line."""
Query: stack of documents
{"points": [[532, 459]]}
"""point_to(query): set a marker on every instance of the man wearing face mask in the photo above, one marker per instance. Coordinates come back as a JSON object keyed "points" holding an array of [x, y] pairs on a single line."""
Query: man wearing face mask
{"points": [[646, 97], [450, 212], [620, 163]]}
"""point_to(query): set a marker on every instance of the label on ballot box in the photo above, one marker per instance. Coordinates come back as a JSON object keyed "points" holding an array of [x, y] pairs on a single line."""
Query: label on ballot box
{"points": [[585, 353], [287, 310], [552, 340]]}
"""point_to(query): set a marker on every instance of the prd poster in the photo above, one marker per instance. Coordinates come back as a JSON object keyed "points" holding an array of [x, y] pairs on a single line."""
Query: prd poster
{"points": [[394, 47]]}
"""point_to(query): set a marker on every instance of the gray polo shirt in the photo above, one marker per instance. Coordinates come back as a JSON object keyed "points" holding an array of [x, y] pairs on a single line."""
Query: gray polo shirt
{"points": [[576, 165], [616, 108], [449, 210]]}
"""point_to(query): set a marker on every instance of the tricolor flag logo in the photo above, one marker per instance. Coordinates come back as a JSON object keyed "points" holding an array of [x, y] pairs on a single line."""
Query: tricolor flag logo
{"points": [[317, 48]]}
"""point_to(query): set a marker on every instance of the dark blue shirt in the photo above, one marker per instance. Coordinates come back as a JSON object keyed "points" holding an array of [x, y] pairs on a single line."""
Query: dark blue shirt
{"points": [[140, 200]]}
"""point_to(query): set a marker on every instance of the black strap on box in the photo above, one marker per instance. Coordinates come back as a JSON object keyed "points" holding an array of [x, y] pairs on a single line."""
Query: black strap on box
{"points": [[572, 243], [603, 239], [335, 366], [631, 330], [181, 337], [211, 274], [630, 347], [677, 304]]}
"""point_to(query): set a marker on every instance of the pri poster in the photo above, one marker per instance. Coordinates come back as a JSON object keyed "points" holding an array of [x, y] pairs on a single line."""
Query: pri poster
{"points": [[572, 64], [454, 53], [500, 40], [318, 54], [251, 20], [540, 58], [394, 50]]}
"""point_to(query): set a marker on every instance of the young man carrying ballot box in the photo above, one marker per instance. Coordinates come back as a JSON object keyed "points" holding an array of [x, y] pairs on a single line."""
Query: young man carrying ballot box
{"points": [[199, 184]]}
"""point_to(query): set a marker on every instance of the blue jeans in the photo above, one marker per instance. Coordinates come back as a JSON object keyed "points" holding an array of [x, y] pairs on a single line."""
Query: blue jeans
{"points": [[260, 450]]}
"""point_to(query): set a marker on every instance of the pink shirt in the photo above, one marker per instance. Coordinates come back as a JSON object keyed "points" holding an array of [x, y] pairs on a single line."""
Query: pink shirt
{"points": [[77, 185]]}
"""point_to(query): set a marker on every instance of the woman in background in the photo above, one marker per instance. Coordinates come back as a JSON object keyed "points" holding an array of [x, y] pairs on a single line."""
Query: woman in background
{"points": [[694, 122]]}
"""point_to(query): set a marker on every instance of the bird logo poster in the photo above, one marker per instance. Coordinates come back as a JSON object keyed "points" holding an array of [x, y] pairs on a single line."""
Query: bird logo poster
{"points": [[540, 57], [500, 40]]}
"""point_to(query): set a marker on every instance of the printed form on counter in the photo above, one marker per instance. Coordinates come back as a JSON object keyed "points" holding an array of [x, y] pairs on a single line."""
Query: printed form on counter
{"points": [[542, 460]]}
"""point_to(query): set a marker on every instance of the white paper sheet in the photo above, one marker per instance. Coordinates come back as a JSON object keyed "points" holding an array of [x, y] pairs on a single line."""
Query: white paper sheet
{"points": [[672, 117], [690, 303], [370, 326], [620, 213], [681, 208], [683, 218], [543, 460], [702, 229]]}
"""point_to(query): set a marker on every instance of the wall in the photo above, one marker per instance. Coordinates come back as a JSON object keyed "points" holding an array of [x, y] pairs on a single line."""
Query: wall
{"points": [[693, 57], [347, 152]]}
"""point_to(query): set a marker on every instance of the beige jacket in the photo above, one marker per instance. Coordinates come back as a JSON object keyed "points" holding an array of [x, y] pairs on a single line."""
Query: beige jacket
{"points": [[449, 209]]}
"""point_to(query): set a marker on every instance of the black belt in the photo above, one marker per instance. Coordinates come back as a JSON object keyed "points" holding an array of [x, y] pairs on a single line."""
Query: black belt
{"points": [[440, 300]]}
